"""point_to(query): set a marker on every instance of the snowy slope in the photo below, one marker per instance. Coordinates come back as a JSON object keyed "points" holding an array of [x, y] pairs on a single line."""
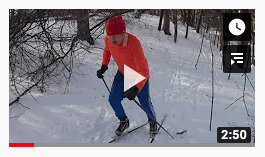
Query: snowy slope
{"points": [[83, 115]]}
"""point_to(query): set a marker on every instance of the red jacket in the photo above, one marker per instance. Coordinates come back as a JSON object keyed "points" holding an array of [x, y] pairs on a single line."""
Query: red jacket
{"points": [[130, 53]]}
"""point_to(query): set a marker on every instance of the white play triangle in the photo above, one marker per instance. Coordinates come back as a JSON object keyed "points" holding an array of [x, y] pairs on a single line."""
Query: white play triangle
{"points": [[131, 77], [232, 61]]}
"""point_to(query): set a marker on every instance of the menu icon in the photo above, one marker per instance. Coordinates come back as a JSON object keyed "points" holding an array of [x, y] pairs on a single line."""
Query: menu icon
{"points": [[236, 59]]}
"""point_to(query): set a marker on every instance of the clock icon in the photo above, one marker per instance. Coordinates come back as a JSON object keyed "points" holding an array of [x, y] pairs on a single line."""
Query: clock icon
{"points": [[237, 27]]}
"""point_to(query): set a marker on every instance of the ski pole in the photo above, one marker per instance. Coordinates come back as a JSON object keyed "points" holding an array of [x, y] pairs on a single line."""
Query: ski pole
{"points": [[106, 84], [152, 118], [144, 111]]}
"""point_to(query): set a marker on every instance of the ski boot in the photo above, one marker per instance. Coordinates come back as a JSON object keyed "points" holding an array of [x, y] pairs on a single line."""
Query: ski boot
{"points": [[124, 124], [153, 129]]}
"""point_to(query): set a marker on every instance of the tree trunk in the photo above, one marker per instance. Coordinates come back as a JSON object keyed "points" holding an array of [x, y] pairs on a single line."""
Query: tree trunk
{"points": [[217, 43], [195, 18], [188, 23], [184, 16], [199, 21], [175, 24], [221, 41], [174, 15], [161, 18], [189, 16], [207, 27], [154, 12], [166, 25], [187, 31], [215, 37], [253, 52], [192, 18], [253, 40], [139, 12], [83, 30], [221, 38]]}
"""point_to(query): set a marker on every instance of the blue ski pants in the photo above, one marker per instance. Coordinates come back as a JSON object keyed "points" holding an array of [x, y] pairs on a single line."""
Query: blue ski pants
{"points": [[116, 96]]}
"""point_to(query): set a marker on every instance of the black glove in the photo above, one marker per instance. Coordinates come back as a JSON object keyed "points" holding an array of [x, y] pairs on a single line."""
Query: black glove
{"points": [[101, 71], [131, 93]]}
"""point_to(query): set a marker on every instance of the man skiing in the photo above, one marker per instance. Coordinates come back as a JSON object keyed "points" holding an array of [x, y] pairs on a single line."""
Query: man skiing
{"points": [[126, 49]]}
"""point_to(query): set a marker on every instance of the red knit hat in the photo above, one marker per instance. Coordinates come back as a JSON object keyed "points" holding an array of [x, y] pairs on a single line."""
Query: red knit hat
{"points": [[115, 26]]}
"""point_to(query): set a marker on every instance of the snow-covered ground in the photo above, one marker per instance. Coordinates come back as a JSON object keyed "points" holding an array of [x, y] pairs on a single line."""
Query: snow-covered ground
{"points": [[83, 115]]}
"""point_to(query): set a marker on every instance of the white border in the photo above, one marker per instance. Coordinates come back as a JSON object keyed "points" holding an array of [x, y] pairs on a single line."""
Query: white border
{"points": [[125, 151]]}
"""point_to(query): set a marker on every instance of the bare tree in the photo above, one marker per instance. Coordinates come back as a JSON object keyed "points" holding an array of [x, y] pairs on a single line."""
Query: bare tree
{"points": [[166, 24], [187, 22], [139, 13], [215, 37], [161, 18], [183, 15], [193, 17], [175, 18], [83, 29], [199, 21], [253, 51], [221, 39], [38, 56], [43, 48]]}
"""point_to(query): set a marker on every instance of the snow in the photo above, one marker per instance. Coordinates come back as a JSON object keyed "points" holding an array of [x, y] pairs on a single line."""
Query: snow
{"points": [[83, 114]]}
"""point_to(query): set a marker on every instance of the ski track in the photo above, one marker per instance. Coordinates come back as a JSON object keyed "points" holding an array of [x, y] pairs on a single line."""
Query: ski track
{"points": [[84, 115]]}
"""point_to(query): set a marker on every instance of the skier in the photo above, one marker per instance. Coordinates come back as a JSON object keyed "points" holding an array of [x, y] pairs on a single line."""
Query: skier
{"points": [[126, 49]]}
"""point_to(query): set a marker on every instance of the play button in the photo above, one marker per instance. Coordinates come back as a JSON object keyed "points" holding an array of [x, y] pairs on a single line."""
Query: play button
{"points": [[131, 77], [232, 61]]}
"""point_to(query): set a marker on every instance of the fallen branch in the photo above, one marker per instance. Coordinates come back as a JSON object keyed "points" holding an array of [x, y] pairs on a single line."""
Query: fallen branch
{"points": [[233, 102], [182, 132]]}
